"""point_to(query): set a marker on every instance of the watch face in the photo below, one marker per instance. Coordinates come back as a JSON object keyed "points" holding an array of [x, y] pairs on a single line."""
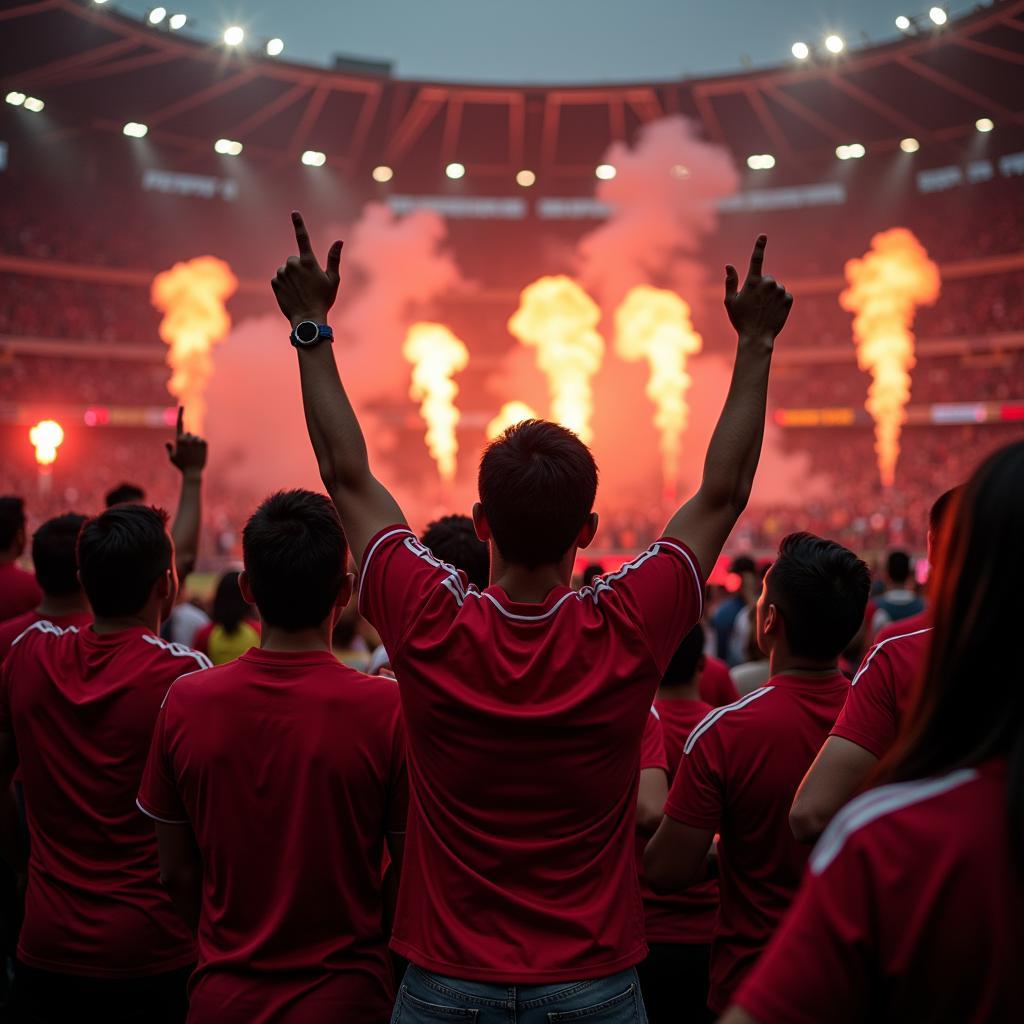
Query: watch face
{"points": [[307, 332]]}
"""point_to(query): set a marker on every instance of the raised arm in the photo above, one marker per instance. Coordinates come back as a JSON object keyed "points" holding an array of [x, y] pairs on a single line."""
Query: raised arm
{"points": [[304, 291], [758, 311], [188, 456]]}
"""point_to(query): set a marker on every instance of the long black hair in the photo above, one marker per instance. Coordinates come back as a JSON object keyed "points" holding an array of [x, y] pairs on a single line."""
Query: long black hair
{"points": [[230, 609], [969, 703]]}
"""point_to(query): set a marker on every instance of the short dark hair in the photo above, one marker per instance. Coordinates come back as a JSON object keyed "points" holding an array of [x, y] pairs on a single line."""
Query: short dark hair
{"points": [[940, 507], [453, 539], [12, 519], [821, 590], [683, 666], [897, 566], [55, 556], [125, 494], [121, 553], [296, 557], [591, 572], [743, 564], [537, 486]]}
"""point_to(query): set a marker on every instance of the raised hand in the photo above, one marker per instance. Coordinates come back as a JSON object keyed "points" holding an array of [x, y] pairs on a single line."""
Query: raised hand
{"points": [[188, 452], [759, 309], [303, 289]]}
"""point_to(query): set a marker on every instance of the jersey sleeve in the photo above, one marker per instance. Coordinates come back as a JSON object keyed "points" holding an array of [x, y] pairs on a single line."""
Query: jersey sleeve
{"points": [[398, 576], [652, 746], [696, 796], [158, 795], [829, 926], [662, 592], [870, 716]]}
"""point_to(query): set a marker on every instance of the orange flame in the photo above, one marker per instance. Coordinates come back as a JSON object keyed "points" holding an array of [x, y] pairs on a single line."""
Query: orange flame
{"points": [[885, 288], [509, 415], [558, 318], [436, 354], [46, 437], [192, 297], [654, 324]]}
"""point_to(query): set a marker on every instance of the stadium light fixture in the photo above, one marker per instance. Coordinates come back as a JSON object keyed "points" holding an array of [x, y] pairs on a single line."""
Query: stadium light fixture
{"points": [[234, 35], [903, 22], [382, 173], [34, 104], [834, 43], [156, 15], [177, 21], [314, 158], [761, 162], [227, 147], [801, 51], [983, 124], [525, 178], [910, 145], [455, 171], [938, 15], [135, 130], [275, 47], [853, 151], [99, 2], [605, 172], [16, 99]]}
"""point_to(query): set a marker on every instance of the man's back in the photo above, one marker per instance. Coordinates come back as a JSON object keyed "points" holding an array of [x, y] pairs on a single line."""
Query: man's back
{"points": [[524, 725], [19, 591], [81, 706], [13, 628], [290, 769]]}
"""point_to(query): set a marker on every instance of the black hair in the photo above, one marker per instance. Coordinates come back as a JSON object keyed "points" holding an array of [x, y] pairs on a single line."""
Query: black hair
{"points": [[296, 557], [685, 662], [121, 554], [897, 566], [54, 554], [537, 486], [453, 539], [125, 494], [937, 513], [230, 609], [821, 590], [977, 607], [12, 519], [743, 564], [591, 572]]}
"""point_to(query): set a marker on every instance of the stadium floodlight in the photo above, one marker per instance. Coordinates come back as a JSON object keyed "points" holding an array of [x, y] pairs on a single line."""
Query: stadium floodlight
{"points": [[983, 124], [100, 2], [761, 162], [605, 172], [314, 158], [16, 98], [34, 104], [275, 47], [177, 21], [156, 15], [525, 178], [853, 151], [234, 35], [382, 173], [801, 51], [135, 130], [910, 145], [227, 147], [834, 43], [903, 22], [455, 171], [938, 15]]}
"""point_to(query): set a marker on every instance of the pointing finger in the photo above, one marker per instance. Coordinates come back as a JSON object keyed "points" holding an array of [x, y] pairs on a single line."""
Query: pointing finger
{"points": [[180, 429], [334, 260], [757, 258], [301, 234], [732, 281]]}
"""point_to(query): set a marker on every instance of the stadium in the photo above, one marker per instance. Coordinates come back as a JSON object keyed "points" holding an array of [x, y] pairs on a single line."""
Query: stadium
{"points": [[512, 253]]}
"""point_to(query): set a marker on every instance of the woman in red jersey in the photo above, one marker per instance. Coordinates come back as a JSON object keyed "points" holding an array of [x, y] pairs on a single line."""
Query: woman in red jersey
{"points": [[913, 904]]}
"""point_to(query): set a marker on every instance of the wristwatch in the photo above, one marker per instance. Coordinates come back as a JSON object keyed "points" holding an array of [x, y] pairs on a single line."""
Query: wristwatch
{"points": [[309, 333]]}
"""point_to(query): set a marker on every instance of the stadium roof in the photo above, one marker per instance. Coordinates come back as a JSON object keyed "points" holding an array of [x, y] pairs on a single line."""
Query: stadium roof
{"points": [[97, 70]]}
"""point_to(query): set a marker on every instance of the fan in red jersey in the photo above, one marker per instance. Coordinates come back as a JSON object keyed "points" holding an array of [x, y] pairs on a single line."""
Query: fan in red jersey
{"points": [[742, 764], [19, 592], [913, 907], [525, 703]]}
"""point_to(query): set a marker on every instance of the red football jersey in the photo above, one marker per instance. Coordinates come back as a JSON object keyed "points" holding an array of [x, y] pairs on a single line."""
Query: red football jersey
{"points": [[740, 771], [652, 744], [881, 690], [81, 708], [687, 917], [19, 591], [911, 624], [715, 684], [290, 769], [912, 910], [13, 628], [524, 726]]}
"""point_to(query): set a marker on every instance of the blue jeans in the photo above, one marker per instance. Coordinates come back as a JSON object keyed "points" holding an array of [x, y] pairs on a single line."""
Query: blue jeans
{"points": [[426, 998]]}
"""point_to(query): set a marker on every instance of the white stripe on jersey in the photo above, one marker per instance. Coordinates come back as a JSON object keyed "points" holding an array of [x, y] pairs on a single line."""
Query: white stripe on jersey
{"points": [[156, 817], [877, 803], [713, 716], [654, 711], [44, 626], [879, 646], [178, 650]]}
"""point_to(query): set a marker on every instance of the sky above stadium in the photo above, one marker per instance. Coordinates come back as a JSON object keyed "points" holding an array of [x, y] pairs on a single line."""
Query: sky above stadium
{"points": [[547, 40]]}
